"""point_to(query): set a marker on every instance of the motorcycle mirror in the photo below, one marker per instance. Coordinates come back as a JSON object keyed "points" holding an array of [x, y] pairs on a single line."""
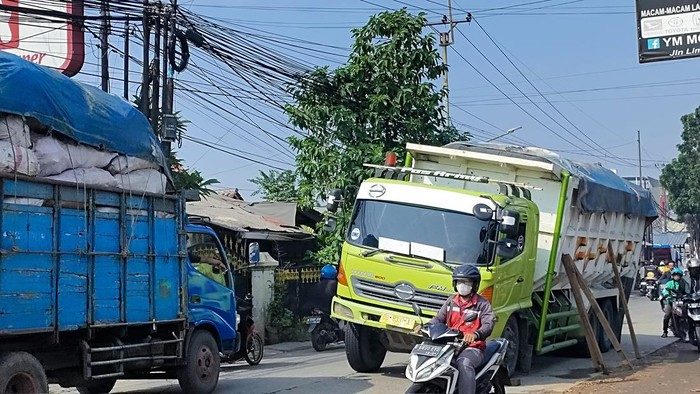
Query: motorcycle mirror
{"points": [[416, 309], [470, 316]]}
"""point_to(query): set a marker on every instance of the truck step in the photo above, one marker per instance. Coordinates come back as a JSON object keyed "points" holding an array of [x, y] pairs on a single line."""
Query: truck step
{"points": [[557, 346], [561, 330]]}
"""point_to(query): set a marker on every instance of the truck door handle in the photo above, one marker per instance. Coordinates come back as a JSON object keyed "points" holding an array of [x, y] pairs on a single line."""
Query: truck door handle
{"points": [[520, 279], [195, 299]]}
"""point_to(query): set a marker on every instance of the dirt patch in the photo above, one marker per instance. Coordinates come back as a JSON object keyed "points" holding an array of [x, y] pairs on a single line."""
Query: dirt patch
{"points": [[672, 369]]}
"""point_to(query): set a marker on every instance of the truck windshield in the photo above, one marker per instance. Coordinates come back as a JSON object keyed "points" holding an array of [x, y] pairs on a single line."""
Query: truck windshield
{"points": [[461, 235]]}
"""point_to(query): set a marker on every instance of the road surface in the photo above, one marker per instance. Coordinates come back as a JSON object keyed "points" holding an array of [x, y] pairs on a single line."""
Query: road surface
{"points": [[295, 368]]}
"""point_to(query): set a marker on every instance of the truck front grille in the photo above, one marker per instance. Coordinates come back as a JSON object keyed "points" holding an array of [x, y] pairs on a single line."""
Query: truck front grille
{"points": [[384, 292]]}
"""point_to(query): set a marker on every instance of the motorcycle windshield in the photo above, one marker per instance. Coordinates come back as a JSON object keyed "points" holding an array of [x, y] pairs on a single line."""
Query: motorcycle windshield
{"points": [[438, 330]]}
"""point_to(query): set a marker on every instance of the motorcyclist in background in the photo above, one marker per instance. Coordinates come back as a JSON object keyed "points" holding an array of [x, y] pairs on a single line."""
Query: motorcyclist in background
{"points": [[675, 290], [694, 272]]}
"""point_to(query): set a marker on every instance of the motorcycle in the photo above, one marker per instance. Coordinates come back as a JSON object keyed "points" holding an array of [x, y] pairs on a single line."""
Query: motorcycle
{"points": [[692, 309], [324, 329], [679, 325], [651, 288], [250, 343], [430, 367]]}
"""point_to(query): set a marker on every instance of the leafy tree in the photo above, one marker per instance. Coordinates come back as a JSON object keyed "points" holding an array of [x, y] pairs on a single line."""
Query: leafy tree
{"points": [[382, 98], [186, 178], [682, 177], [277, 185]]}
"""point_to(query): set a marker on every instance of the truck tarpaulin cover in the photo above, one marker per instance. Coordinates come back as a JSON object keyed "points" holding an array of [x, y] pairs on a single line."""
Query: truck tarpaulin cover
{"points": [[78, 111], [599, 189]]}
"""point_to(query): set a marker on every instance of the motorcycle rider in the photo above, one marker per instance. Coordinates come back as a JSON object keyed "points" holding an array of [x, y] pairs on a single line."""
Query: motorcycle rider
{"points": [[465, 281], [667, 275], [675, 289], [694, 272]]}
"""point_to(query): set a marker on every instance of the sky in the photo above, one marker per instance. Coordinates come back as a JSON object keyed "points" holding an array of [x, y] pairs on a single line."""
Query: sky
{"points": [[580, 55]]}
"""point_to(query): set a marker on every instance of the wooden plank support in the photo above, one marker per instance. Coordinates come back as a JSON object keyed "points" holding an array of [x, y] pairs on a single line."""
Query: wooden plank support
{"points": [[591, 341], [602, 320], [623, 301]]}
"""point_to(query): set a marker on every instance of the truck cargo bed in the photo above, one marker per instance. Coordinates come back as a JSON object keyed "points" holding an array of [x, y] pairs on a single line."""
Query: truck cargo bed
{"points": [[74, 257]]}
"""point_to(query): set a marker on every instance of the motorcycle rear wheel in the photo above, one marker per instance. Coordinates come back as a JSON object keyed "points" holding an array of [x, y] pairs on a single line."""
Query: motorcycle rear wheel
{"points": [[317, 340], [253, 349]]}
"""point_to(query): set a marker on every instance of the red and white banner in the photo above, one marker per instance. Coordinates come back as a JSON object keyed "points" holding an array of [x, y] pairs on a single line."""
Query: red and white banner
{"points": [[29, 29]]}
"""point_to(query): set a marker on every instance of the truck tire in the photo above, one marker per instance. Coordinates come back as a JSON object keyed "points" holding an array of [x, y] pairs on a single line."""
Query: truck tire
{"points": [[604, 342], [364, 351], [511, 332], [22, 373], [102, 386], [200, 374]]}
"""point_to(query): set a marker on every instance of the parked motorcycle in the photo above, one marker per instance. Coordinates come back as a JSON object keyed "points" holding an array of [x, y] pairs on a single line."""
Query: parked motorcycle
{"points": [[430, 367], [250, 343], [324, 329]]}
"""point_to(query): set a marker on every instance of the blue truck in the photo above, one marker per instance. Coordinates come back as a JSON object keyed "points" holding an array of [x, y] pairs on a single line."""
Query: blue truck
{"points": [[96, 284]]}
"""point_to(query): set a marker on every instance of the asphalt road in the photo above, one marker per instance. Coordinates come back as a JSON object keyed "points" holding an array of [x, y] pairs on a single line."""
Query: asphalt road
{"points": [[295, 368]]}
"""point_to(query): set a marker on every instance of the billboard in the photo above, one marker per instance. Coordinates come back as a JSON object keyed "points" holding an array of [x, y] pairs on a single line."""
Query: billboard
{"points": [[44, 32]]}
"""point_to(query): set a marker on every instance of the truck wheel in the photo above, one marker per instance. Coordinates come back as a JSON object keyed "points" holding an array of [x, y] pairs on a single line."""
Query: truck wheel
{"points": [[363, 349], [604, 342], [512, 334], [102, 386], [22, 373], [200, 374]]}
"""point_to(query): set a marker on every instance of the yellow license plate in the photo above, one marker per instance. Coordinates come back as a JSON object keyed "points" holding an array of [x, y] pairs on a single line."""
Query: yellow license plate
{"points": [[397, 321]]}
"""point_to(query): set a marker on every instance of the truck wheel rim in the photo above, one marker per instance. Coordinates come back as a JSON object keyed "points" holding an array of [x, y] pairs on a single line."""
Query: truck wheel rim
{"points": [[205, 363], [21, 383]]}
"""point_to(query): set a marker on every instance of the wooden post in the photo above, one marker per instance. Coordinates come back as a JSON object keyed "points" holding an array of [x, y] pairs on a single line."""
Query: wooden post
{"points": [[623, 300], [602, 320], [591, 340]]}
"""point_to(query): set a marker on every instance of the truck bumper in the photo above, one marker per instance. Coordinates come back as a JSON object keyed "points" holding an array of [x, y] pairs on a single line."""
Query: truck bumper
{"points": [[366, 315]]}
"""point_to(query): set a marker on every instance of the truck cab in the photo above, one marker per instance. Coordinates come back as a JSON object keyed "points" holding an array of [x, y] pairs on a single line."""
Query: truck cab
{"points": [[211, 297]]}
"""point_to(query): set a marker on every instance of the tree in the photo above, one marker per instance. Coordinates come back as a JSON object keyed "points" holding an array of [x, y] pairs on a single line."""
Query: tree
{"points": [[682, 177], [382, 98], [277, 185]]}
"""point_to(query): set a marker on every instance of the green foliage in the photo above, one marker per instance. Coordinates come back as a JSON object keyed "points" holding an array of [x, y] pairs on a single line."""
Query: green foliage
{"points": [[382, 98], [288, 326], [682, 176], [185, 178], [277, 185]]}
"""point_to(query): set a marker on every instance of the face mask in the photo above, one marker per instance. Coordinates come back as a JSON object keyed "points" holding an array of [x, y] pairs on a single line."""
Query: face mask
{"points": [[464, 289]]}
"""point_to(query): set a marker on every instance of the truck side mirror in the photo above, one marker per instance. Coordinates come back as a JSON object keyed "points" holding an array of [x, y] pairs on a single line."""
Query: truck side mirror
{"points": [[333, 200], [507, 248], [330, 225], [253, 253], [510, 222]]}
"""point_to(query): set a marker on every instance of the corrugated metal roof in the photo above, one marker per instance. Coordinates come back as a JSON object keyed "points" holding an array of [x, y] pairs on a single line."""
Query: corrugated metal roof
{"points": [[672, 239], [237, 215]]}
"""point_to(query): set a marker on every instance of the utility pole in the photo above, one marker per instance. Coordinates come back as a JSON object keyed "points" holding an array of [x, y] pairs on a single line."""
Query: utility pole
{"points": [[639, 151], [145, 77], [168, 81], [104, 45], [155, 108], [127, 38], [447, 38]]}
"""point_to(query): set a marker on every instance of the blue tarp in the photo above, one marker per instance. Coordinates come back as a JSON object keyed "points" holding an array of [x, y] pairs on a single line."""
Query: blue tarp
{"points": [[81, 112], [599, 189]]}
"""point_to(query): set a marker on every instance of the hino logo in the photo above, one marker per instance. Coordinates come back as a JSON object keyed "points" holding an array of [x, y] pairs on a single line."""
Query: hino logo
{"points": [[377, 191], [404, 291]]}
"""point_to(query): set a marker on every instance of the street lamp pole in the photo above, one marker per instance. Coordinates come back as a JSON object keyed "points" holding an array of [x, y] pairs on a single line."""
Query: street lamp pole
{"points": [[509, 131]]}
